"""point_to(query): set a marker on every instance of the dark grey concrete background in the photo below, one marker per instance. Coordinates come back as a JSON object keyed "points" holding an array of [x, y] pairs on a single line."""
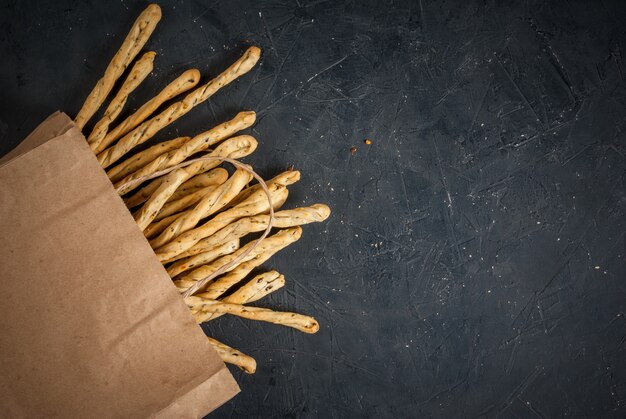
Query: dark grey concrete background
{"points": [[474, 262]]}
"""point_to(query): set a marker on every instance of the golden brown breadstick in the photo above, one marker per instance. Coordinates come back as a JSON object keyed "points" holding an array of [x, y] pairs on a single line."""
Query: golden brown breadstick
{"points": [[174, 207], [157, 227], [208, 205], [142, 158], [232, 356], [146, 130], [135, 40], [211, 178], [198, 143], [151, 208], [207, 257], [282, 219], [300, 322], [181, 84], [285, 178], [138, 73], [221, 285], [255, 204], [281, 239]]}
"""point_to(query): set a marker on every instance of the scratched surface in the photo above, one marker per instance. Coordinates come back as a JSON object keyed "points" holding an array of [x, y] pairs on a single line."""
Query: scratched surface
{"points": [[474, 262]]}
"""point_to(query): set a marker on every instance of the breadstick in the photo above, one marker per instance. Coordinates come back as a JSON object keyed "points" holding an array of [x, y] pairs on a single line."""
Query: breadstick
{"points": [[255, 289], [138, 73], [198, 143], [285, 178], [221, 285], [147, 129], [144, 157], [255, 204], [157, 227], [174, 207], [300, 322], [232, 356], [181, 84], [282, 219], [150, 209], [211, 178], [281, 239], [135, 40], [208, 257], [208, 205]]}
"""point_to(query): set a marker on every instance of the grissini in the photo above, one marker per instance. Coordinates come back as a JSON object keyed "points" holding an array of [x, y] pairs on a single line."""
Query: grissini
{"points": [[232, 356], [299, 322], [211, 178], [282, 219], [208, 205], [134, 41], [255, 204], [151, 208], [285, 178], [138, 73], [181, 204], [253, 290], [211, 255], [147, 129], [197, 144], [187, 80], [144, 157], [281, 238]]}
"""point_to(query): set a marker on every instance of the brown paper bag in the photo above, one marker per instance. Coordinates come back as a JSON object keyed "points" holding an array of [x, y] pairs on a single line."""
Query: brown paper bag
{"points": [[90, 323]]}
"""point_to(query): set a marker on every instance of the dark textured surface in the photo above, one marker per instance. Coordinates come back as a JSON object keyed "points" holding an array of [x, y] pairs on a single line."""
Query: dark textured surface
{"points": [[474, 262]]}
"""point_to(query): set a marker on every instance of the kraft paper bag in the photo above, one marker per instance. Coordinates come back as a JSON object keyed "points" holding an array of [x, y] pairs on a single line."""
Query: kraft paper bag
{"points": [[90, 323]]}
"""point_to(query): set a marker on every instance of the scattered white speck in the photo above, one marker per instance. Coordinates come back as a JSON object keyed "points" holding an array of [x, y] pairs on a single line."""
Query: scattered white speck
{"points": [[597, 267]]}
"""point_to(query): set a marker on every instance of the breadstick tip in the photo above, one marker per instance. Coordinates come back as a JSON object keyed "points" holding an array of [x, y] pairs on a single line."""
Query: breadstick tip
{"points": [[149, 55], [322, 211], [154, 9], [247, 117], [193, 75]]}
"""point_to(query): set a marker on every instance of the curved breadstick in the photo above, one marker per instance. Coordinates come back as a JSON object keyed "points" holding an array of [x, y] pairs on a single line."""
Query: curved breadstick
{"points": [[208, 257], [285, 178], [282, 219], [157, 227], [151, 208], [221, 285], [174, 207], [232, 356], [135, 40], [146, 130], [255, 289], [142, 158], [255, 204], [211, 178], [300, 322], [208, 205], [181, 84], [138, 73], [281, 239], [198, 143]]}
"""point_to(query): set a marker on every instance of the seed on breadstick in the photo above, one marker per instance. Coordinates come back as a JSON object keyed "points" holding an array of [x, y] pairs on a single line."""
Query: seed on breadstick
{"points": [[281, 239], [146, 130], [282, 219], [174, 207], [255, 204], [232, 356], [208, 205], [300, 322], [221, 285], [142, 158], [211, 178], [285, 179], [138, 73], [207, 257], [135, 40], [181, 84], [151, 208], [197, 144]]}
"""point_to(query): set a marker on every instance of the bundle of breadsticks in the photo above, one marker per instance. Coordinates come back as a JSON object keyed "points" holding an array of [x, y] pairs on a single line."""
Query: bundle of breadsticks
{"points": [[198, 217]]}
